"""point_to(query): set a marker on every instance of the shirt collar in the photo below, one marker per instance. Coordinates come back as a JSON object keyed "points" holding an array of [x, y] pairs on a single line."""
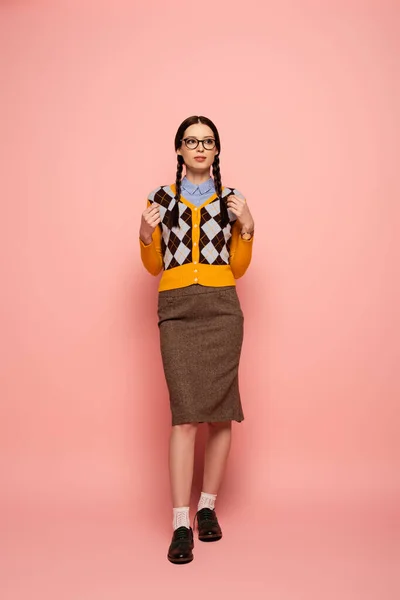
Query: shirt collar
{"points": [[203, 188]]}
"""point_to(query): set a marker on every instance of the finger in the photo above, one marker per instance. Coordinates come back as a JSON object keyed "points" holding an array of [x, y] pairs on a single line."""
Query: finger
{"points": [[148, 218], [153, 208], [241, 208], [235, 201], [151, 213], [235, 211], [154, 222]]}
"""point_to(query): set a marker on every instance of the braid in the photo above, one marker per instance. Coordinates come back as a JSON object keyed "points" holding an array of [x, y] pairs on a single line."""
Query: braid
{"points": [[218, 189], [174, 219]]}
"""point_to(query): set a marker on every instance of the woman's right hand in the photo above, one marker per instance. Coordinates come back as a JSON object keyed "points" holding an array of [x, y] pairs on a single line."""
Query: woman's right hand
{"points": [[150, 219]]}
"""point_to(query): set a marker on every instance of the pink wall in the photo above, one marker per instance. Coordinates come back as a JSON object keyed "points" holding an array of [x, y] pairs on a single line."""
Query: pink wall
{"points": [[306, 97]]}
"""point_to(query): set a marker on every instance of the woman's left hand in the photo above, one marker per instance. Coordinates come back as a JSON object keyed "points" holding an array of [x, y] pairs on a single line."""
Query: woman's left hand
{"points": [[240, 208]]}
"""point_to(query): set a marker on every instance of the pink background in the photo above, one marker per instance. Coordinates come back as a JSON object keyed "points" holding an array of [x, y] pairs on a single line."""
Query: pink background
{"points": [[306, 97]]}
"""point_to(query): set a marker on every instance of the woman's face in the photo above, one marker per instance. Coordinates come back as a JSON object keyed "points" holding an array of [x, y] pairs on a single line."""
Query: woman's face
{"points": [[200, 158]]}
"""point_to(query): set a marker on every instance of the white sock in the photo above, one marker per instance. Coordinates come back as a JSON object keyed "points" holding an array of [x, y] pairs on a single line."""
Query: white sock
{"points": [[207, 501], [181, 517]]}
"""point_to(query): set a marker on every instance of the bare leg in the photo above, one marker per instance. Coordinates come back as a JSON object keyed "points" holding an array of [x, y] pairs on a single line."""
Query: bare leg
{"points": [[216, 455], [181, 459]]}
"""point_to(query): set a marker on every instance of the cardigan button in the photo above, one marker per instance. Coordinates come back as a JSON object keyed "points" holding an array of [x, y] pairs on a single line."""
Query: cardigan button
{"points": [[196, 279]]}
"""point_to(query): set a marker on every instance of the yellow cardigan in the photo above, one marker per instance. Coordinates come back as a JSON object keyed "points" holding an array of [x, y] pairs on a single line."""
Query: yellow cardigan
{"points": [[196, 272]]}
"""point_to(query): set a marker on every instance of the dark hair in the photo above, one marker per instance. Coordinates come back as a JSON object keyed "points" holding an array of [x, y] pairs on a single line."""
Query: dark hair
{"points": [[174, 221]]}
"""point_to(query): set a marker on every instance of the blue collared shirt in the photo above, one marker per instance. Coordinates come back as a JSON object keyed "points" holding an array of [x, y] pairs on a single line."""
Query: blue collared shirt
{"points": [[197, 194]]}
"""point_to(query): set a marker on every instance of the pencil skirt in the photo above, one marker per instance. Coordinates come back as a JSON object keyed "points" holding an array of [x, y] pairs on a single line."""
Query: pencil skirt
{"points": [[201, 336]]}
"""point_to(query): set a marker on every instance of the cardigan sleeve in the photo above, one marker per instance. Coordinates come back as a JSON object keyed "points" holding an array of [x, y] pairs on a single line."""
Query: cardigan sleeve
{"points": [[240, 251], [151, 254]]}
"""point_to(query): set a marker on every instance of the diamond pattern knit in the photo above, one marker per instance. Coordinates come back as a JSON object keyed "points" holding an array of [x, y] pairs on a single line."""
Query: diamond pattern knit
{"points": [[214, 243]]}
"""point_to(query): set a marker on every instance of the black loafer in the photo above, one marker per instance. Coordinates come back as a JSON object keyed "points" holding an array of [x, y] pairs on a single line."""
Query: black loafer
{"points": [[180, 550], [208, 526]]}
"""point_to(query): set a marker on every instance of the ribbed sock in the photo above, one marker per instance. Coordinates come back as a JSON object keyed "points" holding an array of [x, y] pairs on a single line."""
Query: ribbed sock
{"points": [[207, 501], [181, 517]]}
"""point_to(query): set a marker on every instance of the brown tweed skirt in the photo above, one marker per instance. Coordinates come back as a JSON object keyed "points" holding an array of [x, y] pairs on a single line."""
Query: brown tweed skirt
{"points": [[201, 335]]}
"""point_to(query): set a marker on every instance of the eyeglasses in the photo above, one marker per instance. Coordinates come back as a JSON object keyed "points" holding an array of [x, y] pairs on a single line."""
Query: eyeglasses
{"points": [[192, 143]]}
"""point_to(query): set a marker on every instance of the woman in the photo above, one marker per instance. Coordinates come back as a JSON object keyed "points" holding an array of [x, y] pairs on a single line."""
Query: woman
{"points": [[200, 234]]}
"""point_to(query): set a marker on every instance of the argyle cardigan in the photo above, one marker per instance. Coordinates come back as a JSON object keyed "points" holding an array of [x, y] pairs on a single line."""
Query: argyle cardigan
{"points": [[199, 250]]}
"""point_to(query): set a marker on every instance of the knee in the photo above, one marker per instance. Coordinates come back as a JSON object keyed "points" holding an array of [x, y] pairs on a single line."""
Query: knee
{"points": [[186, 429], [219, 426]]}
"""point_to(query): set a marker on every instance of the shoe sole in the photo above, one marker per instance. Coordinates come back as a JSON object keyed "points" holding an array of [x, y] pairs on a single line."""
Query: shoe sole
{"points": [[210, 538], [180, 561]]}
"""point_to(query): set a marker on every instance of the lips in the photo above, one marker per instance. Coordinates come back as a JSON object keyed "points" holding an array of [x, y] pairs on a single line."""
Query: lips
{"points": [[200, 158]]}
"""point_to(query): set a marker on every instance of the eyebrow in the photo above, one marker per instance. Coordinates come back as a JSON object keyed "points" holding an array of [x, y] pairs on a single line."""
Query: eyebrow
{"points": [[196, 138]]}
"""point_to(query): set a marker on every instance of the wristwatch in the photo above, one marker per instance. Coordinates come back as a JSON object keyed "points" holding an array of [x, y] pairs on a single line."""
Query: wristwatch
{"points": [[247, 235]]}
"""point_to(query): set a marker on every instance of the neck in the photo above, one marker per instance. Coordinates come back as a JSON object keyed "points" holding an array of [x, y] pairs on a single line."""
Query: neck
{"points": [[197, 177]]}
